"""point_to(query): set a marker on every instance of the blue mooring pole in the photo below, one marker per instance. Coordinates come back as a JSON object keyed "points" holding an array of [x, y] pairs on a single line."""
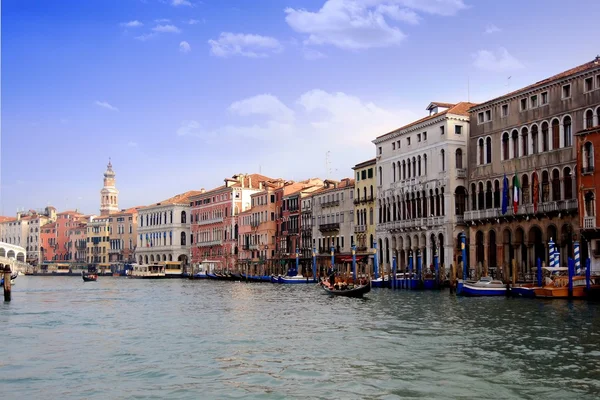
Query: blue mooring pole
{"points": [[419, 266], [463, 247], [394, 272], [539, 272], [588, 273], [436, 266], [314, 254], [354, 263], [410, 268], [332, 257], [571, 267], [297, 260], [375, 266]]}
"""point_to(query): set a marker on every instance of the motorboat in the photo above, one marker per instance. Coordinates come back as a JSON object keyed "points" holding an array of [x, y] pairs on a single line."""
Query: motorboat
{"points": [[486, 286]]}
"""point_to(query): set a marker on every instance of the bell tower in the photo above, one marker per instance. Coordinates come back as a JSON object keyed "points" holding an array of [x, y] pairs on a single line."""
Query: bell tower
{"points": [[109, 195]]}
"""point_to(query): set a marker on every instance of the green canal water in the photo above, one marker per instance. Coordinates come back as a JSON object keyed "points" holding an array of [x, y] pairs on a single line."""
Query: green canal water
{"points": [[122, 338]]}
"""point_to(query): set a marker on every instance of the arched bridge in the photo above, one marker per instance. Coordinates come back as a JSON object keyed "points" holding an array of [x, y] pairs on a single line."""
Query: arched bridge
{"points": [[14, 256]]}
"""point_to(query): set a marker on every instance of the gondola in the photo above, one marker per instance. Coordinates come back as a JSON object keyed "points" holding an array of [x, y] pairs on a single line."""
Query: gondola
{"points": [[88, 277], [357, 291]]}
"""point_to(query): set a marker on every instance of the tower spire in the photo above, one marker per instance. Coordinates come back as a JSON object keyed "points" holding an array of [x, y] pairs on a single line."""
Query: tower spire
{"points": [[109, 195]]}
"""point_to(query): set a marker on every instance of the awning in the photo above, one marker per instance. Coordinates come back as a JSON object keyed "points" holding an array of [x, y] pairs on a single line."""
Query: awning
{"points": [[349, 258]]}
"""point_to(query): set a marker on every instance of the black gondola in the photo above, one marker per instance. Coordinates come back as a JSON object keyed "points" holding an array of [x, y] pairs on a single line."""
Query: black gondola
{"points": [[356, 291], [89, 277]]}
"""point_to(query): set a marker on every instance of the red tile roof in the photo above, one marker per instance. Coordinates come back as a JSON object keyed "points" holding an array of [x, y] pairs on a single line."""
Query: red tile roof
{"points": [[7, 219], [343, 184], [461, 108]]}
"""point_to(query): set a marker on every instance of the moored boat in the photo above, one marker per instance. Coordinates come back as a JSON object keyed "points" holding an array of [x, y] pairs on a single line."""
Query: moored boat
{"points": [[558, 287], [344, 290], [296, 279], [523, 290], [155, 271], [486, 286]]}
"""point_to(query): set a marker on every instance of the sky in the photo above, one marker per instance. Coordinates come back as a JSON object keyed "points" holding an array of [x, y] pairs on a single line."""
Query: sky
{"points": [[181, 94]]}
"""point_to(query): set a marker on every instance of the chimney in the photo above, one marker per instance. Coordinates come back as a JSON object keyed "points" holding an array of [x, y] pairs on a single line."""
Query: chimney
{"points": [[250, 181]]}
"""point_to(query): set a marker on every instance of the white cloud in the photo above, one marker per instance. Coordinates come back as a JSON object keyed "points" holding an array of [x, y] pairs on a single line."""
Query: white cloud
{"points": [[162, 20], [192, 22], [181, 3], [311, 54], [492, 29], [106, 105], [145, 36], [499, 61], [247, 45], [263, 104], [166, 29], [189, 128], [355, 25], [185, 47], [132, 144], [132, 24]]}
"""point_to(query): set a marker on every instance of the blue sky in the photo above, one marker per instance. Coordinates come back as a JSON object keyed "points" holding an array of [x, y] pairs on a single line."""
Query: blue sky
{"points": [[183, 93]]}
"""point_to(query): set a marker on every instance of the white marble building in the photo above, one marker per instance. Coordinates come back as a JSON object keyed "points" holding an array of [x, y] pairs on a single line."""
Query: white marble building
{"points": [[421, 181], [163, 232]]}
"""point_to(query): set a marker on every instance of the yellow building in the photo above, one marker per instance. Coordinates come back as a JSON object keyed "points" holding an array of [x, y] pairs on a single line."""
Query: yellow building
{"points": [[98, 242], [364, 207]]}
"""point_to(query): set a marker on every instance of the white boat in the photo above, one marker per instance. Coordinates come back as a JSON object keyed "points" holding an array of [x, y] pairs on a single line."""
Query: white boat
{"points": [[155, 271], [486, 286]]}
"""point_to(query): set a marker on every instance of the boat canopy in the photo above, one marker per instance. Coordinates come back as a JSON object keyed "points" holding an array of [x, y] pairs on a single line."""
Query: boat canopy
{"points": [[552, 269]]}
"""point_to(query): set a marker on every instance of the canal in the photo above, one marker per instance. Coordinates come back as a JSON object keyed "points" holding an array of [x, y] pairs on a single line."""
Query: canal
{"points": [[121, 338]]}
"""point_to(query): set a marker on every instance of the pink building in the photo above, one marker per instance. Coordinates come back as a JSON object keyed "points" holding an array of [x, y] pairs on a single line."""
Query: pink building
{"points": [[214, 223]]}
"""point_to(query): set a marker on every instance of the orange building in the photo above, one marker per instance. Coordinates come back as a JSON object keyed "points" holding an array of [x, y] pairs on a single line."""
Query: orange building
{"points": [[588, 185], [64, 221], [77, 241], [48, 244], [123, 235]]}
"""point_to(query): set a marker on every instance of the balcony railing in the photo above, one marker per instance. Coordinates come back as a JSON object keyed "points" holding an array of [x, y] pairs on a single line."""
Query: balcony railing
{"points": [[210, 243], [209, 221], [335, 226], [253, 247], [333, 203], [589, 222], [360, 228], [461, 173], [357, 201], [525, 209]]}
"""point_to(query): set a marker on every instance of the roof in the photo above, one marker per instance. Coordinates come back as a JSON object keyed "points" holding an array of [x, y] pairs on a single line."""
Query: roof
{"points": [[49, 225], [7, 219], [461, 108], [131, 210], [69, 212], [343, 184], [593, 129], [299, 187], [251, 181], [372, 161], [182, 198], [595, 63]]}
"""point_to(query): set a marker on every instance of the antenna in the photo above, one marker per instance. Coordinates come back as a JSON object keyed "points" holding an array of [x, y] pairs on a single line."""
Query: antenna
{"points": [[468, 89], [508, 83]]}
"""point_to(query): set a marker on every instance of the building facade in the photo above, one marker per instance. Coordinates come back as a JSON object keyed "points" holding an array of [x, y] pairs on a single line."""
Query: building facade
{"points": [[365, 210], [421, 174], [333, 222], [163, 232], [77, 242], [65, 221], [531, 132], [123, 235], [109, 195], [97, 242], [215, 219]]}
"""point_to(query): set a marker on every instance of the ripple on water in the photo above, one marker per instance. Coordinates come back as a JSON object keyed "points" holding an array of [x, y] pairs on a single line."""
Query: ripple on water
{"points": [[127, 339]]}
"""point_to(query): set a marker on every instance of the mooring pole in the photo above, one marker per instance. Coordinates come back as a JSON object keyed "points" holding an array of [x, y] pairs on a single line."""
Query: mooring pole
{"points": [[6, 283]]}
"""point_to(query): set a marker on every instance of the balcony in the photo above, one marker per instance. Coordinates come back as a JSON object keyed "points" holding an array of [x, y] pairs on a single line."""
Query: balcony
{"points": [[335, 226], [209, 221], [461, 173], [460, 220], [210, 243], [360, 228], [587, 170], [333, 203], [589, 222], [523, 210], [254, 223], [357, 201], [253, 247]]}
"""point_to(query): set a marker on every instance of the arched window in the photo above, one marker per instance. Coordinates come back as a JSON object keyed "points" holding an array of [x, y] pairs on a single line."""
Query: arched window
{"points": [[488, 195], [371, 216], [568, 183], [496, 194], [424, 164], [505, 155], [480, 151], [555, 134], [567, 134], [480, 197], [555, 185], [545, 141], [183, 238], [409, 174], [380, 176], [515, 143], [403, 169], [589, 119], [372, 193], [394, 172], [460, 200], [525, 189], [443, 160], [473, 197], [358, 194], [419, 165], [414, 166], [534, 139], [459, 157], [488, 150], [183, 217], [545, 187], [590, 208], [524, 142], [588, 158]]}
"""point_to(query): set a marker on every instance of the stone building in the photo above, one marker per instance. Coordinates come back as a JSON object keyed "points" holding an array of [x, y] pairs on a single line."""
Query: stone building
{"points": [[333, 222], [365, 207], [163, 231], [97, 242], [421, 178], [123, 235], [527, 136], [25, 231]]}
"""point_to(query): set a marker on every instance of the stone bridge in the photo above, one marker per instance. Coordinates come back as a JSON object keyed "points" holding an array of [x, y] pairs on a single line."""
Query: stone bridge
{"points": [[14, 256]]}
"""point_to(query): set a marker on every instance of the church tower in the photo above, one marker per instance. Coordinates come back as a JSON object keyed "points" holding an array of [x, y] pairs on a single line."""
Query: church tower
{"points": [[109, 202]]}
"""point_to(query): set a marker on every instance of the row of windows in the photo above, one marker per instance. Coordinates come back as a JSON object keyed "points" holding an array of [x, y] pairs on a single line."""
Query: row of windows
{"points": [[421, 137], [364, 174], [407, 169], [413, 205]]}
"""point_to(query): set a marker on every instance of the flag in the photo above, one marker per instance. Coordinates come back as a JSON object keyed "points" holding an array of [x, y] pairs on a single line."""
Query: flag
{"points": [[536, 191], [504, 195], [147, 241], [516, 187]]}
